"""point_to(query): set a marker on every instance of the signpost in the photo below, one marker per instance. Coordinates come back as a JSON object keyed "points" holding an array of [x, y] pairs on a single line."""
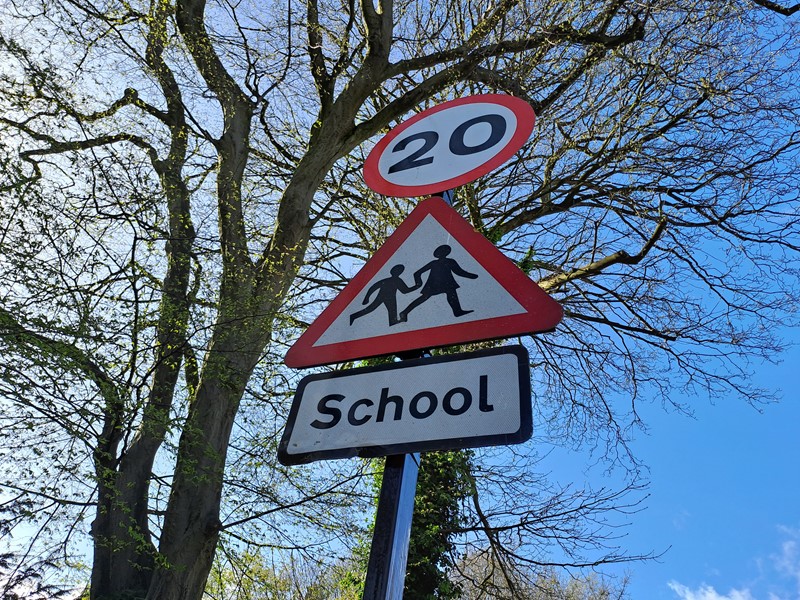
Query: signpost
{"points": [[435, 282], [386, 569]]}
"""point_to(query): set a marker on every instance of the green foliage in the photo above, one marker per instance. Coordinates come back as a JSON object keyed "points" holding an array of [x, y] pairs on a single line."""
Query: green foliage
{"points": [[442, 486], [347, 577], [250, 575]]}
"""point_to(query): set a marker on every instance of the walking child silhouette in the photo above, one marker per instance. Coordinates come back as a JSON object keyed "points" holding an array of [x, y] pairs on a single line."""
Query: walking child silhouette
{"points": [[386, 294], [440, 280]]}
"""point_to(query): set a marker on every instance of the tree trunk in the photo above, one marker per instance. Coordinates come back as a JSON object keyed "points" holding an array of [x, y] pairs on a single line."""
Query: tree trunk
{"points": [[191, 524]]}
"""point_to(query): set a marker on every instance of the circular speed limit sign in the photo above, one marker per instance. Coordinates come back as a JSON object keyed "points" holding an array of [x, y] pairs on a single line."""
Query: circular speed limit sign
{"points": [[449, 145]]}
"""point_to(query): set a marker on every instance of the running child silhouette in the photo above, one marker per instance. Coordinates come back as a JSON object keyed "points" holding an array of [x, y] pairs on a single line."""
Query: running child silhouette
{"points": [[440, 280], [386, 294]]}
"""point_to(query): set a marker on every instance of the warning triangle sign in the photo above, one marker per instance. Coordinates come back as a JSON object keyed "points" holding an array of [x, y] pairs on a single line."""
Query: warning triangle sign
{"points": [[434, 282]]}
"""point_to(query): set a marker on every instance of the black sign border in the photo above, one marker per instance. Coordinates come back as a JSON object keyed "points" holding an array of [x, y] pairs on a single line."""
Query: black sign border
{"points": [[523, 434]]}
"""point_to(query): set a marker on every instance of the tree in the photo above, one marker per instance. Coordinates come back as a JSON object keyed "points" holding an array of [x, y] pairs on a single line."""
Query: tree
{"points": [[181, 191]]}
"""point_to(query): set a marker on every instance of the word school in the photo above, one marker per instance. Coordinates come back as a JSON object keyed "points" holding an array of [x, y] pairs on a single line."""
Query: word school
{"points": [[422, 405]]}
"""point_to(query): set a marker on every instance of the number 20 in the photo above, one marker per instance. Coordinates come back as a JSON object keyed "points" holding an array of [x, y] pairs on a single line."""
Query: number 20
{"points": [[457, 144]]}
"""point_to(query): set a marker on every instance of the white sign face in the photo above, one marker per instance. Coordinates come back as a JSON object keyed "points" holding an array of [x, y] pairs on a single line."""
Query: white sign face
{"points": [[449, 145], [476, 294], [449, 402]]}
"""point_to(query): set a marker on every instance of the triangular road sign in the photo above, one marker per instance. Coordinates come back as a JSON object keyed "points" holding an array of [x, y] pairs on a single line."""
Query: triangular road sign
{"points": [[434, 282]]}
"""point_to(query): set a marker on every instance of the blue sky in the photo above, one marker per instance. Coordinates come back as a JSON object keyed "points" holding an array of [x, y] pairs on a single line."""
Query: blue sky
{"points": [[725, 497]]}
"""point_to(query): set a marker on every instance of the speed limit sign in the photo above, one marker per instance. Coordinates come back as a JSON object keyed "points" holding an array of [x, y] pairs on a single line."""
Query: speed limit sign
{"points": [[449, 145]]}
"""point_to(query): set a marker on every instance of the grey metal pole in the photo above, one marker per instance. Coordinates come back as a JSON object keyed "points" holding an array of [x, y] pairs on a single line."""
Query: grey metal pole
{"points": [[388, 555]]}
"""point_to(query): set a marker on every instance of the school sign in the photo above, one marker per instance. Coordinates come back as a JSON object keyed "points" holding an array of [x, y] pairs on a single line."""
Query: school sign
{"points": [[435, 282]]}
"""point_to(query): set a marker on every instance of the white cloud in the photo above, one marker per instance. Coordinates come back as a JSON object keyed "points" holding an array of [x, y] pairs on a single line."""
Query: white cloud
{"points": [[706, 592], [788, 561], [779, 572]]}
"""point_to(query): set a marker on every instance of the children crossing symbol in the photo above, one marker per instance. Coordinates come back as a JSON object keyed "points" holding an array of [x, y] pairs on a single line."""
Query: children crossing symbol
{"points": [[440, 280]]}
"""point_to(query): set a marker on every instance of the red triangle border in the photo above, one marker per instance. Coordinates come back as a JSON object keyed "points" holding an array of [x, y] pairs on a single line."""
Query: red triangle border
{"points": [[542, 312]]}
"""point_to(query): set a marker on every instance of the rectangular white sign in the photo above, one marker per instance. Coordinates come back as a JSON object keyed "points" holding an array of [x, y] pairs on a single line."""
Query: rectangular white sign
{"points": [[441, 403]]}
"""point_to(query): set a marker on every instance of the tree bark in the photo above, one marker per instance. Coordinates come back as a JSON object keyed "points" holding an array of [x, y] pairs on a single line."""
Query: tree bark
{"points": [[192, 527], [124, 554]]}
